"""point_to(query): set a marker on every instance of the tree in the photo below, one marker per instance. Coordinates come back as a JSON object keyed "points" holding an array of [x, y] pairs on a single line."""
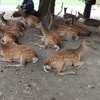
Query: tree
{"points": [[43, 7]]}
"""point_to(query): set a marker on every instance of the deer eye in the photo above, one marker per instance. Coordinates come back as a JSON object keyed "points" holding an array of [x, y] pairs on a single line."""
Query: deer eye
{"points": [[2, 41]]}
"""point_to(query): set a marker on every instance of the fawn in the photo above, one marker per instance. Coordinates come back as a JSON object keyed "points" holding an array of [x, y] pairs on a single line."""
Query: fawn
{"points": [[9, 22], [90, 21], [64, 59], [14, 30], [18, 53], [29, 19], [66, 31], [49, 38], [69, 15], [8, 37]]}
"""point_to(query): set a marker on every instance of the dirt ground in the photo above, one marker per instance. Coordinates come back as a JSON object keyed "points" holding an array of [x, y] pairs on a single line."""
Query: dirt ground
{"points": [[32, 83]]}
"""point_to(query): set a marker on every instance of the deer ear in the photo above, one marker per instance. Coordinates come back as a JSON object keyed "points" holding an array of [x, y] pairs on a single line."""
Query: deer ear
{"points": [[3, 13]]}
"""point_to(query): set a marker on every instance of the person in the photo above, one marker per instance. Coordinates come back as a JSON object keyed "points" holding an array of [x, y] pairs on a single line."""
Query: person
{"points": [[87, 10], [29, 6]]}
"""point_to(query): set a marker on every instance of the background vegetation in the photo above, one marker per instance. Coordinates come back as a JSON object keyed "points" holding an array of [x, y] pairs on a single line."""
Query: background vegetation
{"points": [[16, 2]]}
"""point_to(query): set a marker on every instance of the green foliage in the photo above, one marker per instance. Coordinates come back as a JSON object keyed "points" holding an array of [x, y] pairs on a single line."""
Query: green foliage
{"points": [[66, 2]]}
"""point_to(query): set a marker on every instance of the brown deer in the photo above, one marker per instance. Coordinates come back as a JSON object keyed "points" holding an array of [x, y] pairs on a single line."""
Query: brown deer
{"points": [[69, 15], [64, 59], [9, 22], [60, 27], [66, 31], [29, 19], [8, 37], [49, 38], [18, 53], [12, 29], [82, 29], [16, 13], [90, 21]]}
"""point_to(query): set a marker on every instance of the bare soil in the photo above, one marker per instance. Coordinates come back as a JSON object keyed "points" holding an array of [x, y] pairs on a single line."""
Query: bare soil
{"points": [[32, 83]]}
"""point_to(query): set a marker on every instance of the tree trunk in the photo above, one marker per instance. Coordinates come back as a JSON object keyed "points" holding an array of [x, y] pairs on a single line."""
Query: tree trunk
{"points": [[43, 7]]}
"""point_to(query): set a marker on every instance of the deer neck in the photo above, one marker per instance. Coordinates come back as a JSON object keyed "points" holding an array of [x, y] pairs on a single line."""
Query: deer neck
{"points": [[24, 14], [80, 50], [65, 10], [43, 29], [3, 20]]}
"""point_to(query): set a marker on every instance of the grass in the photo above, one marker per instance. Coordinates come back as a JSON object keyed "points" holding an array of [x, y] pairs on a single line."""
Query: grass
{"points": [[66, 2]]}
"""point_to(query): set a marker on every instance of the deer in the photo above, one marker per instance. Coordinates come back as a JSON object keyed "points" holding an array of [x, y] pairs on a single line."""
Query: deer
{"points": [[16, 13], [29, 19], [9, 22], [90, 21], [68, 32], [61, 28], [8, 37], [63, 60], [49, 38], [14, 30], [82, 29], [19, 53], [69, 15], [49, 18]]}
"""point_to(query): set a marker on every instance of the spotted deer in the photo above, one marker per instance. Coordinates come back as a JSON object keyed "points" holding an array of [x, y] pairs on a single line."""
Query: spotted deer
{"points": [[18, 53], [65, 59], [49, 38], [29, 19], [10, 22], [8, 37], [66, 31], [69, 15], [14, 30], [61, 28], [90, 21]]}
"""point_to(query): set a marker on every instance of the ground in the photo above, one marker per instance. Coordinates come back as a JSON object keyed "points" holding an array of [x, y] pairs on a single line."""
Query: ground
{"points": [[32, 83]]}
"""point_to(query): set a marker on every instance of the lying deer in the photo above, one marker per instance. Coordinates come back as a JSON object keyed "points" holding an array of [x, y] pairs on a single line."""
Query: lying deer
{"points": [[64, 59], [82, 29], [16, 13], [29, 19], [8, 37], [19, 53], [90, 21], [9, 22], [69, 15], [68, 32], [14, 30], [50, 39]]}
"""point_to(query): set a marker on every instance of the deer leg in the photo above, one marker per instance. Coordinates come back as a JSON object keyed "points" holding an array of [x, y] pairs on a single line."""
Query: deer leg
{"points": [[3, 59], [38, 35], [66, 67], [79, 64], [57, 47], [14, 65], [22, 63], [67, 73], [41, 46]]}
